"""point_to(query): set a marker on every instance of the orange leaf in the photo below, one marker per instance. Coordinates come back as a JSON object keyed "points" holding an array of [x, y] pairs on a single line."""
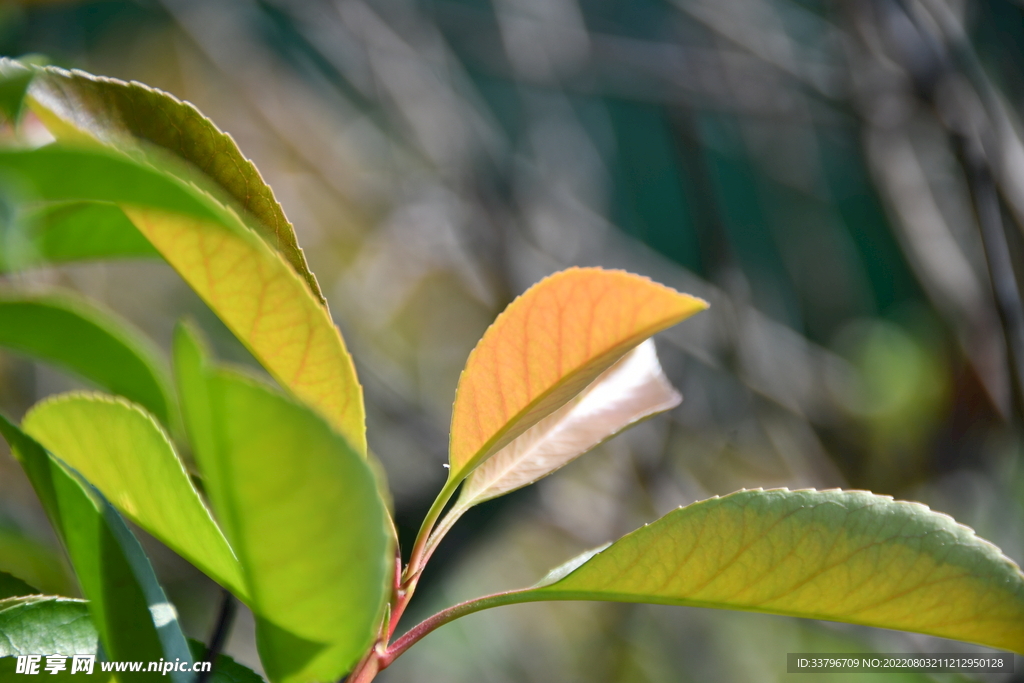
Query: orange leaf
{"points": [[547, 346]]}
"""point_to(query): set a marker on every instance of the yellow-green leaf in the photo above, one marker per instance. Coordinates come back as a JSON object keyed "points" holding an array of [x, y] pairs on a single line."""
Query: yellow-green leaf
{"points": [[257, 294], [131, 117], [848, 556], [122, 451], [301, 510], [546, 347], [261, 299], [129, 608]]}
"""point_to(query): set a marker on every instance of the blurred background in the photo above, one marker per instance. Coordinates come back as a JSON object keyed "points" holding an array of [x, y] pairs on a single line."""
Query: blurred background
{"points": [[842, 179]]}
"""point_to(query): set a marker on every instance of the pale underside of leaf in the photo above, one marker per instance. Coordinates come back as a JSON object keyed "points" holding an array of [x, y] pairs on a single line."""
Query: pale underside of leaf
{"points": [[121, 451], [569, 566], [631, 390], [122, 115], [546, 347], [838, 555]]}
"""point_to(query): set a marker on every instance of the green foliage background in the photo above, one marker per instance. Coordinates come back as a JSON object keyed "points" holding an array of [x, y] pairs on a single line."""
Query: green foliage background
{"points": [[437, 157]]}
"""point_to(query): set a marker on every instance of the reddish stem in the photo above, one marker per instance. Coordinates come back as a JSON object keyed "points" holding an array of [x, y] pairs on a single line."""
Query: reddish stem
{"points": [[417, 632], [368, 667], [402, 597]]}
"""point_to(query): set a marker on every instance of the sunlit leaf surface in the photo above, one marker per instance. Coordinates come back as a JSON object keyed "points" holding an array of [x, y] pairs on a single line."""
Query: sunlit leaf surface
{"points": [[629, 391], [131, 613], [121, 451], [300, 507], [104, 350], [132, 116], [249, 285], [839, 555], [547, 346], [263, 301]]}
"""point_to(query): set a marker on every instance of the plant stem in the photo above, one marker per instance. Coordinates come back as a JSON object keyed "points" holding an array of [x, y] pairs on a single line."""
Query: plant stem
{"points": [[447, 522], [413, 635], [225, 618], [367, 669], [380, 655], [417, 558], [402, 595]]}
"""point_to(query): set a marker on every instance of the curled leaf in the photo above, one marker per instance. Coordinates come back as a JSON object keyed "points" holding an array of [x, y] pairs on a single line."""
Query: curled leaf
{"points": [[631, 390], [546, 347]]}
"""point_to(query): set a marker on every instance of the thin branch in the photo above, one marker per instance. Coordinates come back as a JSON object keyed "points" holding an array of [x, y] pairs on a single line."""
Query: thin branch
{"points": [[221, 630], [418, 556], [417, 632]]}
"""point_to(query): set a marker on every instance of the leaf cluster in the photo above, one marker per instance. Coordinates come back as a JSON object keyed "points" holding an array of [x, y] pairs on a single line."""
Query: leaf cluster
{"points": [[290, 515]]}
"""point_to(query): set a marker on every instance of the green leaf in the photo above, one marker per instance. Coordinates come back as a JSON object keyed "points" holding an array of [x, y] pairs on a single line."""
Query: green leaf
{"points": [[12, 587], [131, 613], [105, 348], [121, 451], [46, 625], [65, 232], [250, 287], [301, 509], [73, 174], [838, 555], [131, 117], [225, 669]]}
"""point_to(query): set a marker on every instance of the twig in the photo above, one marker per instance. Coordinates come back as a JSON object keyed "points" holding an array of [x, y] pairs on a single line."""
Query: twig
{"points": [[221, 630], [413, 635]]}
